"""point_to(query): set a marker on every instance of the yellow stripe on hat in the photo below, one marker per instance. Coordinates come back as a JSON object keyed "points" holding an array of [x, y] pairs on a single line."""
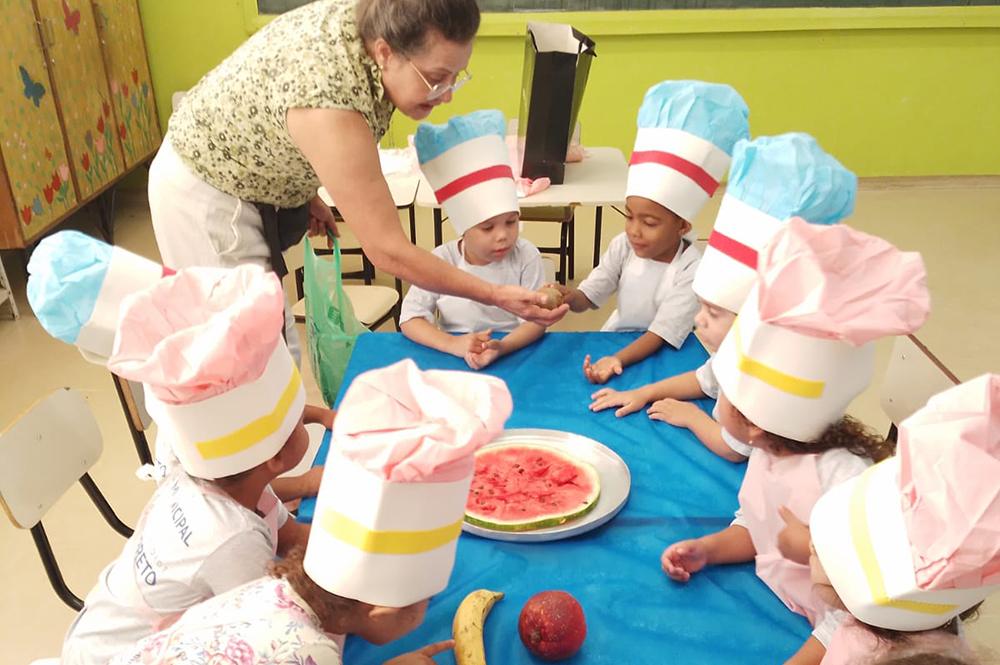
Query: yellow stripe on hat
{"points": [[775, 378], [345, 529], [255, 432], [861, 536]]}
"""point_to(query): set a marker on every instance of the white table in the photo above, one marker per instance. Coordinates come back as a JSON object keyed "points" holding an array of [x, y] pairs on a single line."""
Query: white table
{"points": [[599, 180], [403, 189]]}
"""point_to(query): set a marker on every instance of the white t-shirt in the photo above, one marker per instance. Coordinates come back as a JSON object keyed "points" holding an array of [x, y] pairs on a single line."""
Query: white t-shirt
{"points": [[522, 266], [192, 542], [264, 622], [652, 295], [707, 381]]}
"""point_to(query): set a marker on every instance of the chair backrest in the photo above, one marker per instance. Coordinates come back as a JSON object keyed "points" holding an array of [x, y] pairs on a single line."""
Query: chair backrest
{"points": [[134, 403], [44, 452], [913, 377]]}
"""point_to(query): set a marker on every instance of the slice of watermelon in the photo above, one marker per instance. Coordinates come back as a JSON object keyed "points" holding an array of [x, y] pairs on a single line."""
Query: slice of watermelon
{"points": [[522, 487]]}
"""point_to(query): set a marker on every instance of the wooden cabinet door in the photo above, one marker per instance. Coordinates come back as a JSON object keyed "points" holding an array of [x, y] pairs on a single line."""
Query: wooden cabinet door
{"points": [[80, 86], [121, 35], [31, 139]]}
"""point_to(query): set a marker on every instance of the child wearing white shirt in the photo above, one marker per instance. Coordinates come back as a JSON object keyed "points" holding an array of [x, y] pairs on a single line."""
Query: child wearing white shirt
{"points": [[466, 163], [772, 179], [686, 134], [222, 386]]}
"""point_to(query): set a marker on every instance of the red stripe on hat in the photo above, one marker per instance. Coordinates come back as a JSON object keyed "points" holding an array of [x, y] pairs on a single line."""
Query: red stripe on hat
{"points": [[734, 249], [472, 179], [699, 175]]}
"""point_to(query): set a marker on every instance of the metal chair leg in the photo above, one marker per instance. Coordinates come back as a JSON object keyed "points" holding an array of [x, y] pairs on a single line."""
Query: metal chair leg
{"points": [[52, 568], [107, 512]]}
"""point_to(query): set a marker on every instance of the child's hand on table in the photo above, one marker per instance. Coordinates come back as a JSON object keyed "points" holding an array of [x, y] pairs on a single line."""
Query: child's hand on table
{"points": [[683, 559], [474, 342], [794, 540], [630, 401], [673, 412], [490, 351], [603, 369], [424, 656]]}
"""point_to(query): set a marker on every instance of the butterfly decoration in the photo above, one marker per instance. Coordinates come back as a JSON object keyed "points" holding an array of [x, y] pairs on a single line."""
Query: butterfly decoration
{"points": [[33, 90], [71, 17]]}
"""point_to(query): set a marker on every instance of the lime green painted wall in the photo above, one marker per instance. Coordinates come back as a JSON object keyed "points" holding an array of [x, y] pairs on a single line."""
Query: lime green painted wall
{"points": [[890, 92]]}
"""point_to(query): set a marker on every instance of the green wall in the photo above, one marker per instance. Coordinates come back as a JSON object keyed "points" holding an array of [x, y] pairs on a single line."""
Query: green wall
{"points": [[890, 92]]}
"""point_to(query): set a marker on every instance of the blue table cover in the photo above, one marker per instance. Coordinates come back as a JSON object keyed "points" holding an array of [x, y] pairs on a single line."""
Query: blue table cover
{"points": [[635, 614]]}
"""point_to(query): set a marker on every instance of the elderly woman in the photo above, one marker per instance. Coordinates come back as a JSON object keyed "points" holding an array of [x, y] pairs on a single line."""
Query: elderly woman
{"points": [[303, 103]]}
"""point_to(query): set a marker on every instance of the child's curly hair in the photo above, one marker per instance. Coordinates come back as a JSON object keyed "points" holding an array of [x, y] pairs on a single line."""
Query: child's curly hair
{"points": [[899, 641], [327, 606], [848, 433]]}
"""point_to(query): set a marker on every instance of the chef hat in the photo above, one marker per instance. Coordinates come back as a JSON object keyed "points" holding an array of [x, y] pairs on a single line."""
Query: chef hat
{"points": [[912, 542], [772, 179], [76, 287], [394, 488], [466, 162], [220, 383], [687, 130], [802, 346]]}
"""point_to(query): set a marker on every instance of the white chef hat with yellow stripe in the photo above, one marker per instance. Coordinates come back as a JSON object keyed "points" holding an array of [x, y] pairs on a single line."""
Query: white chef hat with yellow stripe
{"points": [[912, 542], [392, 499], [220, 383], [802, 346]]}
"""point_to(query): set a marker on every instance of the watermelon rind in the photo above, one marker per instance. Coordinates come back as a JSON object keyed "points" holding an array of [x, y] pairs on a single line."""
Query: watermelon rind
{"points": [[546, 521]]}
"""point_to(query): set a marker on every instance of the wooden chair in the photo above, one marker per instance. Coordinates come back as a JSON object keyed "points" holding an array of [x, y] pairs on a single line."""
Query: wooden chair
{"points": [[913, 377], [130, 395], [566, 218], [47, 449]]}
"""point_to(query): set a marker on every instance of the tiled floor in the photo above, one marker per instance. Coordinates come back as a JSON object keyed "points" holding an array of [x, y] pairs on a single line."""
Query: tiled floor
{"points": [[956, 225]]}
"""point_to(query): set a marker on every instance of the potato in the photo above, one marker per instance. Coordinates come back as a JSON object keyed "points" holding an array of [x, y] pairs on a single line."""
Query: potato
{"points": [[553, 298]]}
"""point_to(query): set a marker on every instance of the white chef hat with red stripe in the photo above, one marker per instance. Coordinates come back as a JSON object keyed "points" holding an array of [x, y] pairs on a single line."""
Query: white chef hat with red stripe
{"points": [[772, 179], [687, 130], [76, 287], [467, 163], [912, 542]]}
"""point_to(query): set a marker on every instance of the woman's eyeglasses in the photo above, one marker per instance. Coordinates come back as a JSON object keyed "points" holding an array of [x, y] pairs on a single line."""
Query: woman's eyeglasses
{"points": [[440, 89]]}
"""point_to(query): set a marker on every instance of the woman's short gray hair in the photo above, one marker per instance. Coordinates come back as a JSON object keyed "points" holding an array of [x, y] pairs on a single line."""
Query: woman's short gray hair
{"points": [[404, 24]]}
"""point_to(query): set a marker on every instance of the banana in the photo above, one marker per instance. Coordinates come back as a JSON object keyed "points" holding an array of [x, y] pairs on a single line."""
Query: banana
{"points": [[467, 628]]}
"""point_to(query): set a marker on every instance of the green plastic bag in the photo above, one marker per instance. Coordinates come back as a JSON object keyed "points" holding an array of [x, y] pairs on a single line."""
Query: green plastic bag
{"points": [[331, 327]]}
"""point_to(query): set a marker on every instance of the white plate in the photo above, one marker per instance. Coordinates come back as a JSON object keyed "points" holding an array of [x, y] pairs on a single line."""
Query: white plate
{"points": [[615, 484]]}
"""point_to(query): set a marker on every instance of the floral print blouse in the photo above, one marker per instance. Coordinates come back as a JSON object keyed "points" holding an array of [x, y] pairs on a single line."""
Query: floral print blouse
{"points": [[264, 622], [230, 128]]}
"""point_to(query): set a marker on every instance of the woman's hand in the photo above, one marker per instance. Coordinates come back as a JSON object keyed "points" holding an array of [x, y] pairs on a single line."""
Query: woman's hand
{"points": [[321, 219], [527, 304]]}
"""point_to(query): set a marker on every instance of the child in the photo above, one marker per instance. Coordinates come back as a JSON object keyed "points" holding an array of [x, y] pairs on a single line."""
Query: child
{"points": [[76, 287], [207, 344], [910, 547], [801, 349], [687, 130], [466, 162], [388, 518], [771, 180]]}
